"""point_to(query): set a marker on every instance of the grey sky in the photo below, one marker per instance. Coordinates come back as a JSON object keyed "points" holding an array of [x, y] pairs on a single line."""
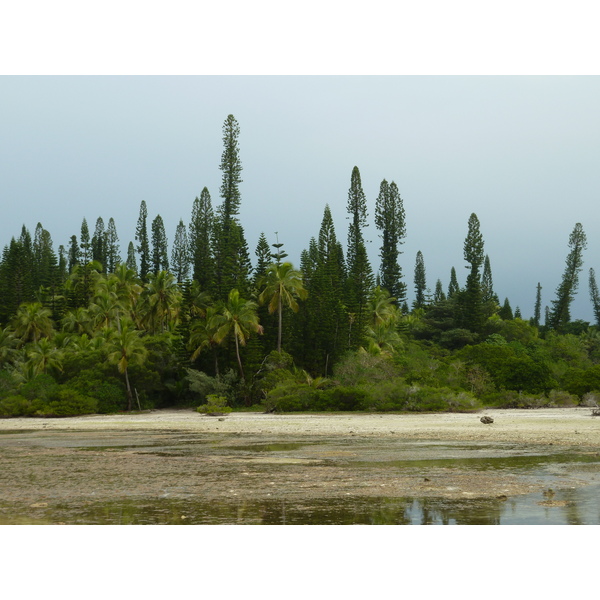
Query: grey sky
{"points": [[520, 152]]}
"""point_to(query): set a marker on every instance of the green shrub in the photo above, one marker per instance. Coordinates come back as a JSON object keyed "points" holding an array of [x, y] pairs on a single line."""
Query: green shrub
{"points": [[290, 396], [342, 398], [215, 405], [16, 406], [513, 399], [68, 403], [560, 399]]}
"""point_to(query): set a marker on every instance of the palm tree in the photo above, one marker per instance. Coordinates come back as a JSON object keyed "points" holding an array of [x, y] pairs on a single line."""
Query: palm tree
{"points": [[32, 322], [202, 335], [237, 317], [163, 297], [44, 355], [283, 284], [7, 346], [126, 347]]}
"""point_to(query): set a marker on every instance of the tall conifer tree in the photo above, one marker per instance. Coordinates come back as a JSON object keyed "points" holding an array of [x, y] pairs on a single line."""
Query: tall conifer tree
{"points": [[565, 293], [472, 301], [113, 256], [201, 240], [390, 220], [360, 275], [160, 260], [420, 282], [143, 247], [180, 254]]}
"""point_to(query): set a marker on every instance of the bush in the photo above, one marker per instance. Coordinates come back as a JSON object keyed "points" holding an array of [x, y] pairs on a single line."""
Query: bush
{"points": [[69, 403], [215, 405], [203, 385], [560, 398], [109, 392], [513, 399], [16, 406], [342, 398], [291, 396]]}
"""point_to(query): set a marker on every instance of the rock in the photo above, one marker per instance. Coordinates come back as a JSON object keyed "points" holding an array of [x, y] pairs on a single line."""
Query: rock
{"points": [[486, 420]]}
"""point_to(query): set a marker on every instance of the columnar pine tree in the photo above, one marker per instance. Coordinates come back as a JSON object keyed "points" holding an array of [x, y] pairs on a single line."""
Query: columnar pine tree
{"points": [[390, 220], [453, 287], [74, 253], [85, 243], [200, 241], [99, 249], [113, 257], [595, 296], [439, 295], [487, 285], [230, 248], [131, 261], [263, 256], [420, 282], [143, 247], [471, 305], [360, 275], [565, 293], [180, 254], [160, 260], [537, 310]]}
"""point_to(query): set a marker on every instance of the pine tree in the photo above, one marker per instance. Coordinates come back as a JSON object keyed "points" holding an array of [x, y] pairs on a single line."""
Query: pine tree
{"points": [[360, 275], [487, 285], [85, 243], [263, 255], [113, 257], [160, 260], [505, 311], [17, 283], [420, 282], [180, 254], [594, 296], [537, 311], [200, 241], [141, 236], [99, 249], [231, 166], [74, 253], [232, 259], [565, 293], [131, 261], [453, 287], [472, 309], [439, 295], [390, 220]]}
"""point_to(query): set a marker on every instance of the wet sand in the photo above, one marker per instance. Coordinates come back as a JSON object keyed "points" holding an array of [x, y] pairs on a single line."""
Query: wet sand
{"points": [[71, 464]]}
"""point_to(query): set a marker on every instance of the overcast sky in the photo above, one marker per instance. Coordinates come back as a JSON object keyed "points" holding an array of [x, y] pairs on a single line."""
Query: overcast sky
{"points": [[521, 152]]}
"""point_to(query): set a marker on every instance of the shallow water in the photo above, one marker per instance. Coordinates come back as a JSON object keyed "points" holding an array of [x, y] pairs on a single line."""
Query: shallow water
{"points": [[187, 492]]}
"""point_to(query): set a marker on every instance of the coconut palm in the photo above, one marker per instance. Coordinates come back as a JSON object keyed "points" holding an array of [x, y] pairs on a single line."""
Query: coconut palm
{"points": [[163, 297], [8, 344], [237, 317], [78, 321], [126, 347], [32, 322], [283, 284], [202, 335], [44, 356]]}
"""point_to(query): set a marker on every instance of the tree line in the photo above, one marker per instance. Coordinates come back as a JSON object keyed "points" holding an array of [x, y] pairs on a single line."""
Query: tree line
{"points": [[88, 329]]}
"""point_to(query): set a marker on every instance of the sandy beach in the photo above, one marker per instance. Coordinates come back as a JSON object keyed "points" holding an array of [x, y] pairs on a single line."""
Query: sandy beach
{"points": [[565, 426]]}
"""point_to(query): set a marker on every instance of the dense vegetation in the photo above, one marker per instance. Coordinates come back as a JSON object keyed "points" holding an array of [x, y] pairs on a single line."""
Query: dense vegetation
{"points": [[87, 330]]}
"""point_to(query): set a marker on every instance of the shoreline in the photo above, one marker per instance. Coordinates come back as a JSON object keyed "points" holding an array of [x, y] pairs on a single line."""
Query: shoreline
{"points": [[547, 426]]}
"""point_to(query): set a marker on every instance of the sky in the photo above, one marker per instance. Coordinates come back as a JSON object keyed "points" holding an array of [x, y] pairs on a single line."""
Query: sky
{"points": [[521, 152]]}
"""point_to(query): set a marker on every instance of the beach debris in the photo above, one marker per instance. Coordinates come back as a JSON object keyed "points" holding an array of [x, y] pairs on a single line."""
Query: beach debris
{"points": [[486, 420]]}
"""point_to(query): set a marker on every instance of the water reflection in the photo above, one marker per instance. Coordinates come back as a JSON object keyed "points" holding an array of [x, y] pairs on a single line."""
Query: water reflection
{"points": [[567, 507]]}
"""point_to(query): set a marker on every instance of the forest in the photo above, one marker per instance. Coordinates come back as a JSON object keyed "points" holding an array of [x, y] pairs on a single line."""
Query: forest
{"points": [[98, 328]]}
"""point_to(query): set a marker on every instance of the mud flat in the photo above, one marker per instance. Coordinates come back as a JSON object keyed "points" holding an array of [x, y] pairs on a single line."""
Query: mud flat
{"points": [[78, 470]]}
